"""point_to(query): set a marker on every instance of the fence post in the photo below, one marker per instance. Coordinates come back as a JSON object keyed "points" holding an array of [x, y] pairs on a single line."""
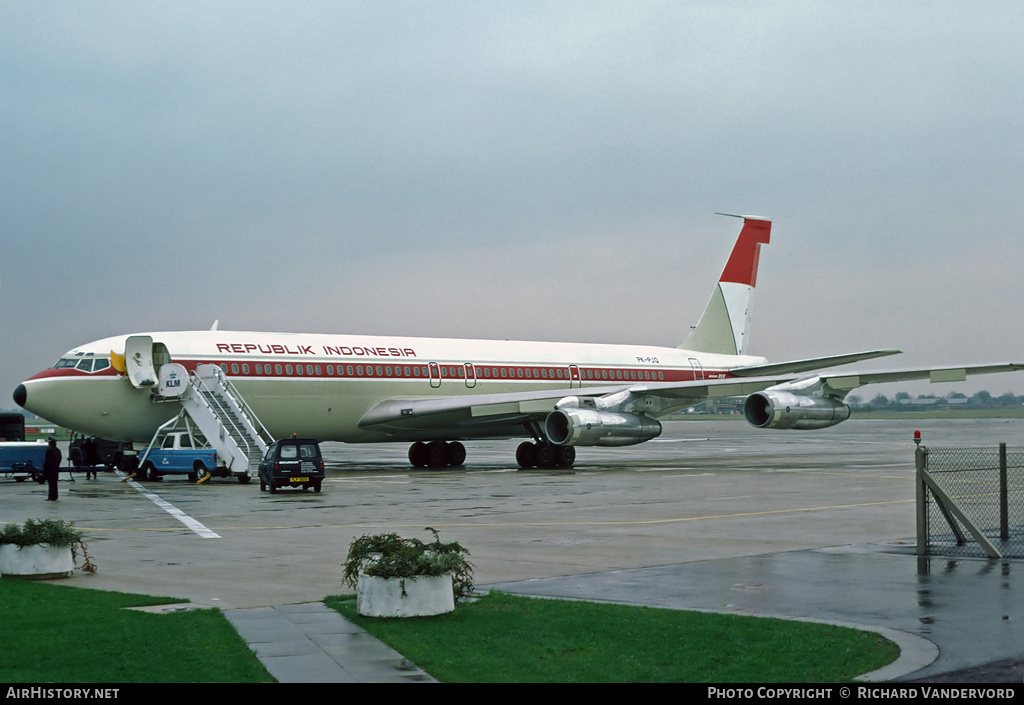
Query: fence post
{"points": [[1004, 512], [921, 462]]}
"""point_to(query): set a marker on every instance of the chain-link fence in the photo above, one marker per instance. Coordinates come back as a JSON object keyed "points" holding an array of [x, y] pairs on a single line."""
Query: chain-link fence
{"points": [[971, 501]]}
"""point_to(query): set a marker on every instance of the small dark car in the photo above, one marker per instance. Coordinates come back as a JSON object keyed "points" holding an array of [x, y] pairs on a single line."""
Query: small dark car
{"points": [[293, 462]]}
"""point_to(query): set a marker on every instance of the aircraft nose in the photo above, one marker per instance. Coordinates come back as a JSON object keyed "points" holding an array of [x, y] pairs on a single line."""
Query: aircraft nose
{"points": [[20, 395]]}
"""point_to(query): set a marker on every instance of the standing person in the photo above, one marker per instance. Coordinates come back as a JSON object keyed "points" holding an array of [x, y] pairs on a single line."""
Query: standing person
{"points": [[92, 458], [51, 468]]}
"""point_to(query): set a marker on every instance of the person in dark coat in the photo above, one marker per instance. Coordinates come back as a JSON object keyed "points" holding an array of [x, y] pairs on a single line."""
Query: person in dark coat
{"points": [[51, 469]]}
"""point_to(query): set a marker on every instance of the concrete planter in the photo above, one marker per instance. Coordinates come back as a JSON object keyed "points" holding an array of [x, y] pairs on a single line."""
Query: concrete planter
{"points": [[424, 595], [37, 562]]}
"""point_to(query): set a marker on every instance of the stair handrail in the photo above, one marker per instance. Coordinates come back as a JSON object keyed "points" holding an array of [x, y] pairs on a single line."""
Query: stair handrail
{"points": [[254, 421], [228, 426]]}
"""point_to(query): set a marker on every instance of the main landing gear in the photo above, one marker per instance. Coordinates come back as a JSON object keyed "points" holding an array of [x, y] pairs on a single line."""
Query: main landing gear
{"points": [[545, 455], [442, 454], [437, 454]]}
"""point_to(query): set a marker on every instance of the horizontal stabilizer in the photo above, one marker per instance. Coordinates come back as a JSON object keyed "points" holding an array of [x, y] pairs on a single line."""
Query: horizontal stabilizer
{"points": [[814, 363]]}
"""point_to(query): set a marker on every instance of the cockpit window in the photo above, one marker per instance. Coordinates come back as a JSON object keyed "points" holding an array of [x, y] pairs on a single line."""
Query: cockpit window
{"points": [[85, 364]]}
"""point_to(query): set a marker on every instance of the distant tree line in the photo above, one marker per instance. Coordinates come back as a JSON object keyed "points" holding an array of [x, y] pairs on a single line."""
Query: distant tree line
{"points": [[904, 401]]}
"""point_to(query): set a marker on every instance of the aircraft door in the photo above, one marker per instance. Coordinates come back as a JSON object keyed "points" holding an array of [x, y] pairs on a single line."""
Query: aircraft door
{"points": [[470, 374], [575, 380], [435, 374], [143, 359], [698, 371], [138, 361]]}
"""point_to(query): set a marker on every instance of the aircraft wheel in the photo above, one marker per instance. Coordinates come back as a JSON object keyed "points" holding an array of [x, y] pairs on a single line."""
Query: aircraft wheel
{"points": [[526, 455], [437, 454], [455, 454], [418, 454], [565, 456], [545, 455]]}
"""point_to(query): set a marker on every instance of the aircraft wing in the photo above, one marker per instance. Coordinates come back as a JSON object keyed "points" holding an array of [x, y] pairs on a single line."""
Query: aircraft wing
{"points": [[475, 414], [847, 382], [493, 410]]}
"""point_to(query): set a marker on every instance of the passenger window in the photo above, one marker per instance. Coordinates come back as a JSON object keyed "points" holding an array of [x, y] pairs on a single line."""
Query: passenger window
{"points": [[186, 442], [277, 369]]}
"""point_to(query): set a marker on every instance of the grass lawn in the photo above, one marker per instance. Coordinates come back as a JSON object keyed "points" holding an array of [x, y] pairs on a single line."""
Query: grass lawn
{"points": [[505, 638], [60, 634]]}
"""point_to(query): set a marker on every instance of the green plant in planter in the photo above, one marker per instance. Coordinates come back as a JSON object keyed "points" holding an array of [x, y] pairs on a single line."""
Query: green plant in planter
{"points": [[52, 532], [391, 556]]}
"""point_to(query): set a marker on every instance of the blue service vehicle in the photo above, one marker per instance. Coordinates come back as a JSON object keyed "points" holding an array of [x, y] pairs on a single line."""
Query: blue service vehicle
{"points": [[180, 453], [22, 459]]}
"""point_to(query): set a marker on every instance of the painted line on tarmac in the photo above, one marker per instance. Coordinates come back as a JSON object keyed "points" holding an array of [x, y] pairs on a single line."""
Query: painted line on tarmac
{"points": [[534, 524], [181, 516]]}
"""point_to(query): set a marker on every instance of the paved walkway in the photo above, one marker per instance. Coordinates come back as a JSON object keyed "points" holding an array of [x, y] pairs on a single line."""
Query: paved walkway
{"points": [[311, 643]]}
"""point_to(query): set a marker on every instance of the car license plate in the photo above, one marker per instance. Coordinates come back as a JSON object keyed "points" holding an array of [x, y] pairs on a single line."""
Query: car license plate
{"points": [[298, 479]]}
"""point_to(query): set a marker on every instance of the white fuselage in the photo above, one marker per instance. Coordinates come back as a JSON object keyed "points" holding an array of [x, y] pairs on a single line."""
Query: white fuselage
{"points": [[320, 386]]}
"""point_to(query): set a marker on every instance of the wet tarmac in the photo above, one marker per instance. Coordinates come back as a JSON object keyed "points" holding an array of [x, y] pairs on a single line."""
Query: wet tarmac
{"points": [[714, 515]]}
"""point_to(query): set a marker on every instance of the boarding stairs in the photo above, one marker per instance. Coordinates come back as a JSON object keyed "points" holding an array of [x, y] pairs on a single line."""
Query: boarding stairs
{"points": [[220, 413]]}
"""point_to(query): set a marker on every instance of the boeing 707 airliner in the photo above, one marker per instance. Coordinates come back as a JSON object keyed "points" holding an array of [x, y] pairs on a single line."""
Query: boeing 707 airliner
{"points": [[436, 393]]}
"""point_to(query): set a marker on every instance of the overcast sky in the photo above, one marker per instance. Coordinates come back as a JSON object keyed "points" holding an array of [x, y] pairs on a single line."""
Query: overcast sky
{"points": [[532, 170]]}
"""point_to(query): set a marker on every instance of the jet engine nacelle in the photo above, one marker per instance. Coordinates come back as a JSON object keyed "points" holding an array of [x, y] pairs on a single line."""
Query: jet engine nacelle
{"points": [[590, 427], [773, 409]]}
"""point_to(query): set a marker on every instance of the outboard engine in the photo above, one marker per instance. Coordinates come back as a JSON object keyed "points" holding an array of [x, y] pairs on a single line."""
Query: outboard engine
{"points": [[785, 410]]}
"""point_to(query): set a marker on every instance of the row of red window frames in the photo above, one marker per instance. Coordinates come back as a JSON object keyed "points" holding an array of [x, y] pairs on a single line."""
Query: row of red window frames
{"points": [[468, 371]]}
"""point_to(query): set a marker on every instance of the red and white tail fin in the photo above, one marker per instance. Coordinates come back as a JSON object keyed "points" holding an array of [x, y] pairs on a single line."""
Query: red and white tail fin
{"points": [[725, 326]]}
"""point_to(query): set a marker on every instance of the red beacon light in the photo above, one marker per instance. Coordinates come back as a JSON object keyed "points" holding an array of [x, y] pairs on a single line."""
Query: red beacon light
{"points": [[917, 437]]}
